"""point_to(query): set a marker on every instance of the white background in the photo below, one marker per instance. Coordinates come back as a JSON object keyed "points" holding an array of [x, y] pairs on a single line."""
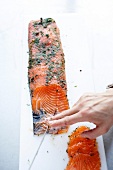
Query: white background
{"points": [[98, 15], [77, 57]]}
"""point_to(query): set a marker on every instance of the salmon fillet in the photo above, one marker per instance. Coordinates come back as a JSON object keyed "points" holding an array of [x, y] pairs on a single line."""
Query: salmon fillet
{"points": [[46, 73], [82, 152]]}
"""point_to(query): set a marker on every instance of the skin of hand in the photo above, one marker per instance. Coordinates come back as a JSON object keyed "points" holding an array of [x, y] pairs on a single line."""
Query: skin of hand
{"points": [[91, 107]]}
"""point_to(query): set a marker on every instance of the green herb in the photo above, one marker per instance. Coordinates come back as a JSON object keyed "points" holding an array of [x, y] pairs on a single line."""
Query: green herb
{"points": [[35, 24], [39, 23], [38, 61], [44, 55], [28, 80], [39, 54], [43, 45], [33, 33], [75, 86], [45, 25], [50, 77], [50, 67], [36, 41], [47, 21], [62, 81], [29, 67], [52, 54], [44, 52], [46, 62], [47, 81], [41, 20], [37, 33], [41, 33], [32, 79], [47, 35]]}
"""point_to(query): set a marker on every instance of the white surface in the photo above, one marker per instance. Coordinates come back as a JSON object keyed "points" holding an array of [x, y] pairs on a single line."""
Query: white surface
{"points": [[75, 43]]}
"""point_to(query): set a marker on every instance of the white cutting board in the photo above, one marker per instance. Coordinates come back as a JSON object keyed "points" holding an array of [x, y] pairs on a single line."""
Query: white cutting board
{"points": [[75, 37]]}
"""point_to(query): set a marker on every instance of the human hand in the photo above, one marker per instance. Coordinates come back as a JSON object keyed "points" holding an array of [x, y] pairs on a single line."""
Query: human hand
{"points": [[92, 107]]}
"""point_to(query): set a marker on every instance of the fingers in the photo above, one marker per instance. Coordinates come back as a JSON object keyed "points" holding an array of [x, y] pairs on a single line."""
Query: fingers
{"points": [[94, 133], [65, 113], [68, 120]]}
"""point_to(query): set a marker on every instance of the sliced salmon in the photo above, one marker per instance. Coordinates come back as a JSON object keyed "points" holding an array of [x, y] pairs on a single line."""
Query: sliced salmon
{"points": [[46, 73], [82, 152], [51, 99]]}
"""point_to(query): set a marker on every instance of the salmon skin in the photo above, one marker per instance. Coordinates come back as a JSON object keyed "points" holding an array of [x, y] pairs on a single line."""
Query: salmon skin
{"points": [[82, 152], [46, 73]]}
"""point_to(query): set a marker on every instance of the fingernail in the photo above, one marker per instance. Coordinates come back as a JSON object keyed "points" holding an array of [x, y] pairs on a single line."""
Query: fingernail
{"points": [[84, 135], [48, 119]]}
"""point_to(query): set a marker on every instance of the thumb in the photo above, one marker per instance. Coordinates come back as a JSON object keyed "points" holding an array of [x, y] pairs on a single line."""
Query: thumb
{"points": [[93, 133]]}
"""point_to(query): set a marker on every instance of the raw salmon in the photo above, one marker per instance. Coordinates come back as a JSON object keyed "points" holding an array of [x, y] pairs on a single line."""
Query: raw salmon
{"points": [[82, 152], [46, 73]]}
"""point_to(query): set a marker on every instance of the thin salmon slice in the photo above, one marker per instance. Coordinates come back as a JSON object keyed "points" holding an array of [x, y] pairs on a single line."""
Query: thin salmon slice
{"points": [[82, 152], [46, 73]]}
